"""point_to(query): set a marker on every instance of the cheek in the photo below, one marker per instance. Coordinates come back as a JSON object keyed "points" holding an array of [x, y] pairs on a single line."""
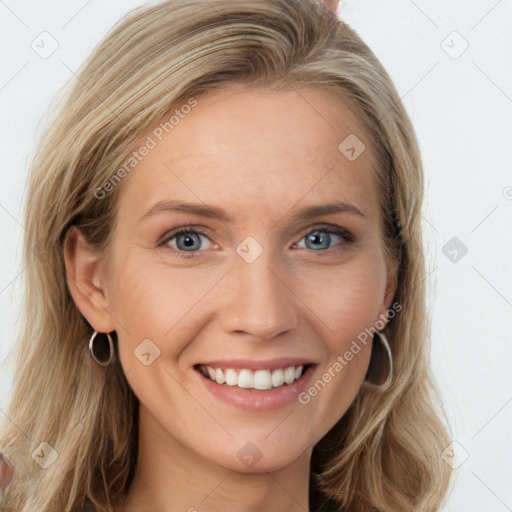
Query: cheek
{"points": [[346, 298], [347, 307], [150, 300], [349, 310]]}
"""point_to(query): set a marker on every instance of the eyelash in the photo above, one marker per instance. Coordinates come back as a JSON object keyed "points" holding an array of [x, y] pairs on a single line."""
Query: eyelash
{"points": [[190, 230]]}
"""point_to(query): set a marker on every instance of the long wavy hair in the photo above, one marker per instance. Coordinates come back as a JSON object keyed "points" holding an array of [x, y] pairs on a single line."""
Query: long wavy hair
{"points": [[384, 454]]}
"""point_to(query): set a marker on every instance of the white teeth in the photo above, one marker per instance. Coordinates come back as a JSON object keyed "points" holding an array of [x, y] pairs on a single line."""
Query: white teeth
{"points": [[289, 374], [219, 376], [231, 377], [259, 379], [245, 379], [277, 378], [262, 379]]}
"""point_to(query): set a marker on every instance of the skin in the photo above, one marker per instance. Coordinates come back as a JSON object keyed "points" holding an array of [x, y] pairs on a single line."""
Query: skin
{"points": [[7, 475], [330, 6], [262, 156]]}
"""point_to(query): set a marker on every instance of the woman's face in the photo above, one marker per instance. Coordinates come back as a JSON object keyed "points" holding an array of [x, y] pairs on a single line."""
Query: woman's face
{"points": [[260, 286]]}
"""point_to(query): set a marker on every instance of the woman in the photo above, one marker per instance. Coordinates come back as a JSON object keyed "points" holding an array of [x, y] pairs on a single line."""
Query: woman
{"points": [[225, 295]]}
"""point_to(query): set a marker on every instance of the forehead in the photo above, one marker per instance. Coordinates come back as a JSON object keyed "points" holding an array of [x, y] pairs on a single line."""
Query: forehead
{"points": [[256, 151]]}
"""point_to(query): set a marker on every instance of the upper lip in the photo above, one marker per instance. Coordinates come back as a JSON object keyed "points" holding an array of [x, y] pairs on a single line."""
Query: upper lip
{"points": [[251, 364]]}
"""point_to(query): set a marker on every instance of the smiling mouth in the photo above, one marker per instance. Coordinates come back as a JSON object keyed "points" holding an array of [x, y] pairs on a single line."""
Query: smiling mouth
{"points": [[245, 378]]}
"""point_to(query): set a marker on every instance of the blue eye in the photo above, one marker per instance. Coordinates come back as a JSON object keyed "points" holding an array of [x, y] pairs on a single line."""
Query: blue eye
{"points": [[188, 240], [321, 238]]}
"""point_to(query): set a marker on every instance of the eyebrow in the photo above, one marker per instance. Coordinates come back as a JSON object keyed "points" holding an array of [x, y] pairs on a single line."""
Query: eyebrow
{"points": [[215, 212]]}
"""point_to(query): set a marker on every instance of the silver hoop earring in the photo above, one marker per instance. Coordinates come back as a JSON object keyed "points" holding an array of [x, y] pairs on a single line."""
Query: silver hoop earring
{"points": [[111, 357], [384, 385]]}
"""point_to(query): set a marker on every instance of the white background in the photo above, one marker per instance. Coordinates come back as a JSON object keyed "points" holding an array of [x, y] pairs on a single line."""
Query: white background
{"points": [[460, 104]]}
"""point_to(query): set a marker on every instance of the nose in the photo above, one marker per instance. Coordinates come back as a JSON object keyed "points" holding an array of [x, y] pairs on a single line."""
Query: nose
{"points": [[257, 299]]}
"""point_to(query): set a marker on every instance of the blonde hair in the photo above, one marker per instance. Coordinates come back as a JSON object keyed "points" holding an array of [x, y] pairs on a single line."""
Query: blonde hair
{"points": [[384, 454]]}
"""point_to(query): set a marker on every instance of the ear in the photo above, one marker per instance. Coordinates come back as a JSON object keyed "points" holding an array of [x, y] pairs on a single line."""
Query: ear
{"points": [[85, 281], [391, 285]]}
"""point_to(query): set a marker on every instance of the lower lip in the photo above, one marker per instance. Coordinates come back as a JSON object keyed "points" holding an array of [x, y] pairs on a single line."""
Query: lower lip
{"points": [[256, 399]]}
